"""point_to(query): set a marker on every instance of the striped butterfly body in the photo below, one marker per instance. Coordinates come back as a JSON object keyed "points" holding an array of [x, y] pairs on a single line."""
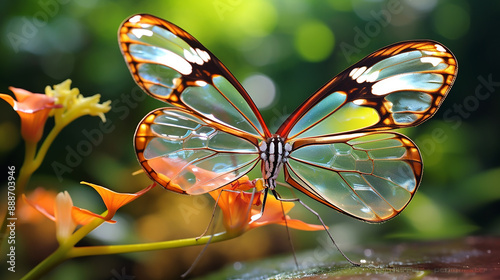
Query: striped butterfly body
{"points": [[337, 147]]}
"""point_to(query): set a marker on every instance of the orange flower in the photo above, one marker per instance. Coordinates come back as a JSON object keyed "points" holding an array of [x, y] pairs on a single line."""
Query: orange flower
{"points": [[45, 199], [34, 109], [67, 216], [238, 207]]}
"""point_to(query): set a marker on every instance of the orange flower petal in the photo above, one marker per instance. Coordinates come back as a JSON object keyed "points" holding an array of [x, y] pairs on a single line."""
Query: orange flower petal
{"points": [[9, 99], [84, 216], [47, 212], [273, 214], [291, 223], [29, 102], [21, 94], [33, 109], [114, 200], [298, 224], [39, 201], [236, 210], [242, 184]]}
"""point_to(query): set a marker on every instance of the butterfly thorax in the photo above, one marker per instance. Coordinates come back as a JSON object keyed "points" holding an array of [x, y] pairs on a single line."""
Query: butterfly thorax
{"points": [[273, 152]]}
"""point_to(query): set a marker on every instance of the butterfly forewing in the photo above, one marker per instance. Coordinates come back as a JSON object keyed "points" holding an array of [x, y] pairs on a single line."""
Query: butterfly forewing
{"points": [[172, 66], [185, 154], [213, 139], [370, 176], [398, 86]]}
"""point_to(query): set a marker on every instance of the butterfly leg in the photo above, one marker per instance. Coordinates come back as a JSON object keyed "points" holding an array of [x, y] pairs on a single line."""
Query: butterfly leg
{"points": [[288, 233], [198, 258], [212, 217], [278, 197], [261, 213], [258, 216]]}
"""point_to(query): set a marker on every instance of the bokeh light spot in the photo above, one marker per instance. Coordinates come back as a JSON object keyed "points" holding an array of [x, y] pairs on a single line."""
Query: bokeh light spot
{"points": [[262, 90], [314, 41], [244, 19], [422, 5], [451, 21], [341, 5]]}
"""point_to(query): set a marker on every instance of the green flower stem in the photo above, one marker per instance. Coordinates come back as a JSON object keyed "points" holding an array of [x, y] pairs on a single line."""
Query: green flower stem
{"points": [[120, 249], [33, 159], [27, 169], [47, 264], [40, 156], [61, 254]]}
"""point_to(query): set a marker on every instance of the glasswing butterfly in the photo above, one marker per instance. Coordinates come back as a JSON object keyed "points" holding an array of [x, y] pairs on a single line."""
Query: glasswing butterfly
{"points": [[336, 147]]}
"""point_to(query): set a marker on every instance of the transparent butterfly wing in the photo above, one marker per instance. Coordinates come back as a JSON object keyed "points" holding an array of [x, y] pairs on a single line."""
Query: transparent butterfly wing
{"points": [[397, 86], [333, 134], [370, 176], [172, 66], [186, 154], [341, 155]]}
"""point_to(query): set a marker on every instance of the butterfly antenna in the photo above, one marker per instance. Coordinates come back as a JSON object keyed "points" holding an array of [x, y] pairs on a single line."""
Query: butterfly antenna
{"points": [[322, 223], [288, 232]]}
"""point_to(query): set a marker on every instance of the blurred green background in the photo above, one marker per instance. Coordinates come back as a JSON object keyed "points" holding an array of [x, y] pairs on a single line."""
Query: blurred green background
{"points": [[289, 48]]}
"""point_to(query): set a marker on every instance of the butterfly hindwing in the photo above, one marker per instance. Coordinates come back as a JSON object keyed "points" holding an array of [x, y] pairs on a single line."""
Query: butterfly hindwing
{"points": [[186, 154], [370, 176]]}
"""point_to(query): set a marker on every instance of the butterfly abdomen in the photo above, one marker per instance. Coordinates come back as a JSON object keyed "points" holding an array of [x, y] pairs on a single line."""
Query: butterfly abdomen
{"points": [[273, 152]]}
